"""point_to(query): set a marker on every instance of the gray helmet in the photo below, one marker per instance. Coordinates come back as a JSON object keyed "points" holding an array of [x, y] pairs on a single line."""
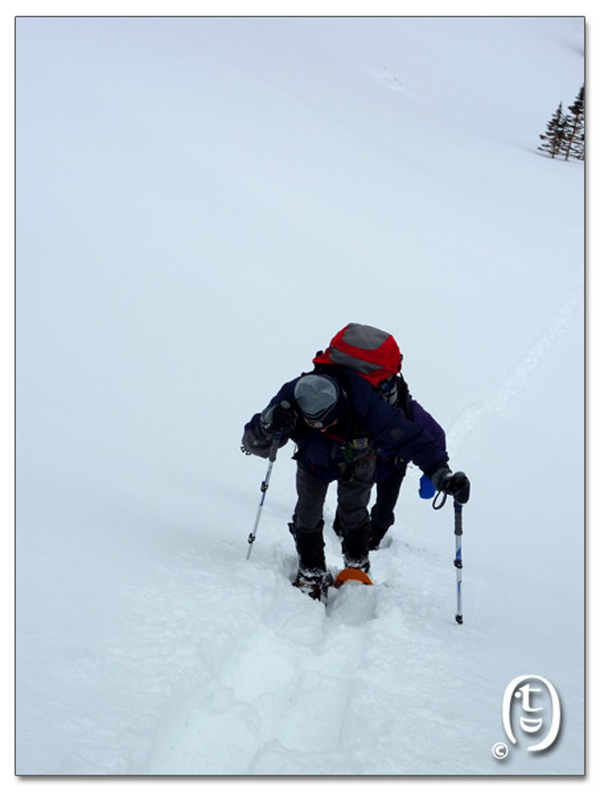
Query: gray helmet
{"points": [[318, 397]]}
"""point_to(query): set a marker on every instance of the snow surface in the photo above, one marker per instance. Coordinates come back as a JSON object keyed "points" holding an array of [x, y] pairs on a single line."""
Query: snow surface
{"points": [[201, 204]]}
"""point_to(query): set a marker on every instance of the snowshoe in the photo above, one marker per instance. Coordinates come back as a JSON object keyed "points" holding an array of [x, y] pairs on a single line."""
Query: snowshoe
{"points": [[354, 575]]}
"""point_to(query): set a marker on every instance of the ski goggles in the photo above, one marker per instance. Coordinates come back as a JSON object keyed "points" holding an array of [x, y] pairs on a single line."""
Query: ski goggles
{"points": [[319, 424]]}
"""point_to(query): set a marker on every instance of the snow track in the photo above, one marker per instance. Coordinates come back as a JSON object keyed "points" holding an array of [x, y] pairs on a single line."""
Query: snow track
{"points": [[286, 685], [278, 686], [520, 377]]}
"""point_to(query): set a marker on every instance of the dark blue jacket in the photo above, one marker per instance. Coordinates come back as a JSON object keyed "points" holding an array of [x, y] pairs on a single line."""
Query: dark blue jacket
{"points": [[367, 423]]}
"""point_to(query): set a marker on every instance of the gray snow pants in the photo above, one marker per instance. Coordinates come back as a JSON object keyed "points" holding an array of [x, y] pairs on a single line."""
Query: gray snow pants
{"points": [[352, 515]]}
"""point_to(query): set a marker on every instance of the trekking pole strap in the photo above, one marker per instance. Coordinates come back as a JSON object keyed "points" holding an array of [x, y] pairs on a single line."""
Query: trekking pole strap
{"points": [[440, 500]]}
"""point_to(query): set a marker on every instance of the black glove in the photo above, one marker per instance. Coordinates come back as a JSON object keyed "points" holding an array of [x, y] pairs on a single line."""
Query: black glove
{"points": [[279, 419], [455, 484]]}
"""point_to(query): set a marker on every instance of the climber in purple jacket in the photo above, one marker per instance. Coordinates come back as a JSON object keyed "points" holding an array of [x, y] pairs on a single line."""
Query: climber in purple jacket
{"points": [[390, 470]]}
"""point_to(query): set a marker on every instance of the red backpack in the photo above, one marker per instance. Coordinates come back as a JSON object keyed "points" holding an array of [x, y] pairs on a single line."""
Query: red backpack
{"points": [[372, 353]]}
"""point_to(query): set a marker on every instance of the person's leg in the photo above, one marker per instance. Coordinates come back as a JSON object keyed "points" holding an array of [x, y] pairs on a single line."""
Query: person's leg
{"points": [[382, 513], [352, 513], [307, 523]]}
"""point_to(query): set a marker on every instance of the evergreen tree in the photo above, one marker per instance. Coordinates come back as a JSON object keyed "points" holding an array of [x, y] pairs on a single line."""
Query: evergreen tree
{"points": [[554, 138], [575, 128]]}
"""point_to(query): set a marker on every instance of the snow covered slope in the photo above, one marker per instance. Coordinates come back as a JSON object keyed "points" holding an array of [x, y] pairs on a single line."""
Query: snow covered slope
{"points": [[202, 204]]}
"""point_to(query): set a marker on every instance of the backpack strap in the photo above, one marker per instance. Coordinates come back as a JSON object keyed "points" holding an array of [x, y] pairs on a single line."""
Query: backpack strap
{"points": [[404, 398]]}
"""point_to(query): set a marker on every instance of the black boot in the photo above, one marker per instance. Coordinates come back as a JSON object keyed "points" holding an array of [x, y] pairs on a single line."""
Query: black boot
{"points": [[312, 577], [377, 534], [310, 547], [380, 524], [313, 582], [355, 547]]}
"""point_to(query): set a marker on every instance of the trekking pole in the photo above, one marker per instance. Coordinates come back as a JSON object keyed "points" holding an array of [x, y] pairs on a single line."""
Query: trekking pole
{"points": [[263, 488], [458, 559], [438, 503]]}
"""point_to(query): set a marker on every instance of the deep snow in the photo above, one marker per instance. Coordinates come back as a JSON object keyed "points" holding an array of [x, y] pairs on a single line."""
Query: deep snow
{"points": [[201, 205]]}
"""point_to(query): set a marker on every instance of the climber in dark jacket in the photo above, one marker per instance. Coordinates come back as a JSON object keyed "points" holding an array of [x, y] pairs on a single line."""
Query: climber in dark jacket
{"points": [[390, 470], [340, 423]]}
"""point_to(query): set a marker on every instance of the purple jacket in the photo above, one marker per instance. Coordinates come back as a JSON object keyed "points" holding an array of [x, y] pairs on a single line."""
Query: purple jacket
{"points": [[386, 463]]}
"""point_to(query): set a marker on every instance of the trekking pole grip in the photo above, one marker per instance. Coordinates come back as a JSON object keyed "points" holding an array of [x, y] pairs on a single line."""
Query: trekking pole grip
{"points": [[458, 518], [274, 448]]}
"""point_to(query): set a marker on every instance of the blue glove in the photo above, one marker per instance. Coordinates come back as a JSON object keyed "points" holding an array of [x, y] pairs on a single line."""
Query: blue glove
{"points": [[426, 488]]}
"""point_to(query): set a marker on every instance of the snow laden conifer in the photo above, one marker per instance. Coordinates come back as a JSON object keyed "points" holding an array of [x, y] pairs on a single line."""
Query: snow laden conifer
{"points": [[564, 135], [575, 128], [552, 141]]}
